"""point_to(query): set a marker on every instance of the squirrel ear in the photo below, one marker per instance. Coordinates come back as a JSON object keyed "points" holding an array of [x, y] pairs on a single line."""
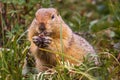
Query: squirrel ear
{"points": [[40, 7], [57, 12]]}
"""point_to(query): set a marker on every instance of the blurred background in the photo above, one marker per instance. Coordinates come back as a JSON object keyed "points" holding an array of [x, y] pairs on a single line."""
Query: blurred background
{"points": [[98, 21]]}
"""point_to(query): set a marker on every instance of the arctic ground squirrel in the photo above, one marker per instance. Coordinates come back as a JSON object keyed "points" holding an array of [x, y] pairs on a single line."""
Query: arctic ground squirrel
{"points": [[48, 31]]}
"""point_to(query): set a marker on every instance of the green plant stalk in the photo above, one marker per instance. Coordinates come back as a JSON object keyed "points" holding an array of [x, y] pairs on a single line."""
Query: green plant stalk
{"points": [[114, 8], [3, 60], [88, 71], [3, 23], [22, 35], [61, 42], [84, 74], [112, 57]]}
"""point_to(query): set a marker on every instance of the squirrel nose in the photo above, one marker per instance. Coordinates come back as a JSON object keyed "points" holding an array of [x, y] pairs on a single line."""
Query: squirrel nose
{"points": [[42, 26]]}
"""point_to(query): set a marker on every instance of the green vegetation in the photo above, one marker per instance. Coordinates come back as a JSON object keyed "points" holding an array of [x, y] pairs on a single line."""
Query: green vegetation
{"points": [[96, 20]]}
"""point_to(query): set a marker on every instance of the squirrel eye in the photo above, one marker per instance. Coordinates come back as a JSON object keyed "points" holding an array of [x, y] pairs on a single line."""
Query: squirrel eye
{"points": [[52, 17]]}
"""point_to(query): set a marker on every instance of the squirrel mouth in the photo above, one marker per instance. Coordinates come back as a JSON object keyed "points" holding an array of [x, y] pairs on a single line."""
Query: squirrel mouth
{"points": [[44, 33]]}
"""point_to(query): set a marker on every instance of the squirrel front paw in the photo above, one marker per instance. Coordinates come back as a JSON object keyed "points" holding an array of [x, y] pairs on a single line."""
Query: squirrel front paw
{"points": [[42, 41]]}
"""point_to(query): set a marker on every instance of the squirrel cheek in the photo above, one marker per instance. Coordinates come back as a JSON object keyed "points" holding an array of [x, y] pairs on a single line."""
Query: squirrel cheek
{"points": [[37, 30]]}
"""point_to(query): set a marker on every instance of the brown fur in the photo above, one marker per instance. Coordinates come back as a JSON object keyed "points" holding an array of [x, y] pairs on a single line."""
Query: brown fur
{"points": [[73, 45]]}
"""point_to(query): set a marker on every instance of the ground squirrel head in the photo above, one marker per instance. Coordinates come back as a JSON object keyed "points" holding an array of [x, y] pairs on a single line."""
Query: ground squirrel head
{"points": [[49, 22], [44, 15]]}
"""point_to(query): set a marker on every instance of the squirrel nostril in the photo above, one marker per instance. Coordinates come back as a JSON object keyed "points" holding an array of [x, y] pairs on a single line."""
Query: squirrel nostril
{"points": [[42, 26]]}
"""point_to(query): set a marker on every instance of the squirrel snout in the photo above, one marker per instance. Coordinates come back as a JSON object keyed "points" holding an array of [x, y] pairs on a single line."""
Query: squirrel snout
{"points": [[42, 27]]}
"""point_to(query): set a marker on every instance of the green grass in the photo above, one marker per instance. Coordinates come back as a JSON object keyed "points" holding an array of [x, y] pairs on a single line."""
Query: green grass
{"points": [[99, 23]]}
